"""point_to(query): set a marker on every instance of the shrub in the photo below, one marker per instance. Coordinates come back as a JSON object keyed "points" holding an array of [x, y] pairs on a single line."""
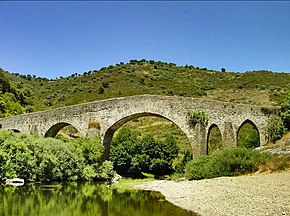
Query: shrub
{"points": [[229, 162], [133, 155], [195, 117], [277, 163], [92, 149], [285, 113], [94, 124], [31, 158], [101, 90], [275, 129]]}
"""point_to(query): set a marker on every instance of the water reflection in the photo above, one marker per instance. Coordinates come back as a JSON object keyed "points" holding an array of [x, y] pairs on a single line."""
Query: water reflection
{"points": [[75, 199]]}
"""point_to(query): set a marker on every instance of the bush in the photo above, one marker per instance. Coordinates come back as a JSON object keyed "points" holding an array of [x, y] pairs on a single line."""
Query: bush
{"points": [[31, 158], [275, 129], [285, 113], [92, 149], [132, 155], [195, 117], [101, 90], [229, 162]]}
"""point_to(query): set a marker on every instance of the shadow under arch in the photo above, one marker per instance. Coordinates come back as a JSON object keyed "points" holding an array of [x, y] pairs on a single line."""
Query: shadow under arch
{"points": [[14, 130], [248, 121], [111, 130], [212, 126], [53, 130]]}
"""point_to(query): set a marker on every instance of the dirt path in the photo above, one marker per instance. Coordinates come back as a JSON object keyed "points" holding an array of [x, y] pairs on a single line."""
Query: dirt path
{"points": [[262, 194]]}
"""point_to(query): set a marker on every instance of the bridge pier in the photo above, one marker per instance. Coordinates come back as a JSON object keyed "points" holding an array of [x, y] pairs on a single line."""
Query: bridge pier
{"points": [[198, 140], [229, 137]]}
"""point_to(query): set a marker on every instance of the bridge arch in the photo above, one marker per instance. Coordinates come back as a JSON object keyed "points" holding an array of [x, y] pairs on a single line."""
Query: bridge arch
{"points": [[54, 129], [248, 121], [211, 127], [108, 136]]}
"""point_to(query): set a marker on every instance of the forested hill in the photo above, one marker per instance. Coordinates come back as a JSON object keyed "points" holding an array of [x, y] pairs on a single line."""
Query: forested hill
{"points": [[27, 93]]}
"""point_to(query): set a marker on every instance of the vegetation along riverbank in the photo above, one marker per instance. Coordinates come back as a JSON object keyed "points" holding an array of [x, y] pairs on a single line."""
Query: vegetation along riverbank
{"points": [[155, 148]]}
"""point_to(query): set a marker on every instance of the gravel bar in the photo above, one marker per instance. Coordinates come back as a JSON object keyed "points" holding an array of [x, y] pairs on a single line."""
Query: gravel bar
{"points": [[258, 194]]}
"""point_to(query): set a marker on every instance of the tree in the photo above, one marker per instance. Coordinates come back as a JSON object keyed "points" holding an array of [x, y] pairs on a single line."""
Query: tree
{"points": [[133, 155], [142, 61], [133, 61], [4, 83], [275, 129], [101, 90], [223, 70], [29, 77], [285, 111]]}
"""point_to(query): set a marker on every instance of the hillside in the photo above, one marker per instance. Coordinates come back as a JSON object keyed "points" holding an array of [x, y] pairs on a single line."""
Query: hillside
{"points": [[143, 77]]}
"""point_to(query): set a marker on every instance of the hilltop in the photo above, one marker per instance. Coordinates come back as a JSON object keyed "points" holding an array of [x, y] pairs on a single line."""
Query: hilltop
{"points": [[28, 93]]}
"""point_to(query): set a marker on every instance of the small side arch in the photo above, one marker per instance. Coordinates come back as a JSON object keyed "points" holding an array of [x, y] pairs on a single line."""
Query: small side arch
{"points": [[53, 130], [218, 145], [254, 126], [15, 130]]}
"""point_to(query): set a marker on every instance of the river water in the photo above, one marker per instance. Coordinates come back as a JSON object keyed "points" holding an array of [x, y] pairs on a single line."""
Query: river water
{"points": [[79, 198]]}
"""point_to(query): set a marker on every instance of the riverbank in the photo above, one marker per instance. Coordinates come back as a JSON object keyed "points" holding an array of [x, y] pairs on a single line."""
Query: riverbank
{"points": [[257, 194]]}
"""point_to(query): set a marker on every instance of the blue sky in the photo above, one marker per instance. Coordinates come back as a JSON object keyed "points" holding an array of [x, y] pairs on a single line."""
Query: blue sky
{"points": [[52, 39]]}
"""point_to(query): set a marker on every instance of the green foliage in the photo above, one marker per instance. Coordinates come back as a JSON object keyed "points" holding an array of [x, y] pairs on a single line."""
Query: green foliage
{"points": [[181, 160], [59, 160], [92, 149], [101, 90], [13, 96], [32, 158], [194, 117], [133, 155], [248, 136], [285, 112], [275, 129], [9, 105], [229, 162], [176, 80], [214, 140]]}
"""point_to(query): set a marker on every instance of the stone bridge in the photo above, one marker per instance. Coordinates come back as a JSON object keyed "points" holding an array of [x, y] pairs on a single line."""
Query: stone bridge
{"points": [[106, 116]]}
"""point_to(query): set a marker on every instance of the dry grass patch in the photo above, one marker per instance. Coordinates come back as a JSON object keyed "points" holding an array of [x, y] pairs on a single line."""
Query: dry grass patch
{"points": [[276, 163], [260, 98]]}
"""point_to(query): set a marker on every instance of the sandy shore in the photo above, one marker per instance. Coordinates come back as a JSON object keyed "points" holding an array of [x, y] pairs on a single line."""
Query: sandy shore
{"points": [[261, 194]]}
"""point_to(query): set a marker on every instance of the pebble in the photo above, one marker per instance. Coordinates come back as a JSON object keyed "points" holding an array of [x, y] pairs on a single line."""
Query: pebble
{"points": [[252, 195]]}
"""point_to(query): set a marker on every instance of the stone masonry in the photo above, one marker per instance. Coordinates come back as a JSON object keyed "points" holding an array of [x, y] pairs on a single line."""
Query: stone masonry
{"points": [[106, 116]]}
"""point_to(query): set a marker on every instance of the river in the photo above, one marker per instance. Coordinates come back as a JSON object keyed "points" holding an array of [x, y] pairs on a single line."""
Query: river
{"points": [[83, 198]]}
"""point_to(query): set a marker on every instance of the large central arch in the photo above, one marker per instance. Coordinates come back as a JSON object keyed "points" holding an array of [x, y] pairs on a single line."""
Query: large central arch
{"points": [[114, 127]]}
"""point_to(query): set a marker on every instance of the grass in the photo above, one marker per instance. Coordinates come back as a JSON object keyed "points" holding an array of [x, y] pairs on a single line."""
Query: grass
{"points": [[129, 182], [276, 163]]}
